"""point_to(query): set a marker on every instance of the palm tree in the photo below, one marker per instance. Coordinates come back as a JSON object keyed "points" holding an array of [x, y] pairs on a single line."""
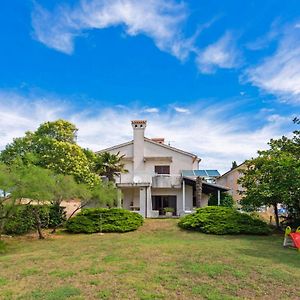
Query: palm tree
{"points": [[109, 165], [198, 191]]}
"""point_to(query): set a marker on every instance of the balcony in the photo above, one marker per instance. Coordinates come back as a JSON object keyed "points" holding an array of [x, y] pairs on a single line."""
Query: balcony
{"points": [[151, 179], [166, 181]]}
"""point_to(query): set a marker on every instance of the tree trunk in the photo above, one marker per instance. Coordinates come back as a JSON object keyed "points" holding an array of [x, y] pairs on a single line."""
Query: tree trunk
{"points": [[198, 191], [276, 215], [38, 223]]}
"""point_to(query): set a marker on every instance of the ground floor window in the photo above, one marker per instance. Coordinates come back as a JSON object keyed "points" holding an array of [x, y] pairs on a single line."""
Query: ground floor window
{"points": [[161, 202]]}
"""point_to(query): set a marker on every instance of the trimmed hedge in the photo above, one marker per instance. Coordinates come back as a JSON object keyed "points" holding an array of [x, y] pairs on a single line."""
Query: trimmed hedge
{"points": [[23, 220], [223, 220], [92, 220]]}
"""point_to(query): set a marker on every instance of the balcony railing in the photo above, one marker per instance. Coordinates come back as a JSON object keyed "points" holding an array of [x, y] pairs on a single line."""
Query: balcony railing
{"points": [[156, 180], [166, 181]]}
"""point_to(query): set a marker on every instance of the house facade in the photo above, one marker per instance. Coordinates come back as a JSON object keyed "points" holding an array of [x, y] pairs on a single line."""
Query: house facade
{"points": [[230, 180], [155, 178]]}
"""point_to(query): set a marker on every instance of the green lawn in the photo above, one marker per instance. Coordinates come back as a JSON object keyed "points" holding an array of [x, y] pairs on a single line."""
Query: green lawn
{"points": [[159, 261]]}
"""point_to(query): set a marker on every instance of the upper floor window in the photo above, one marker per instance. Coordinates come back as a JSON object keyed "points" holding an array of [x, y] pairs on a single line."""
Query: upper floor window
{"points": [[162, 169]]}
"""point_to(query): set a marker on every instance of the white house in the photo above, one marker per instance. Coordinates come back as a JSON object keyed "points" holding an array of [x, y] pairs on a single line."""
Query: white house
{"points": [[159, 175]]}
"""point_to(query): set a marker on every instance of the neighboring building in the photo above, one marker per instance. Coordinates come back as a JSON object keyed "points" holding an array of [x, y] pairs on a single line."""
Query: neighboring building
{"points": [[230, 180], [155, 179]]}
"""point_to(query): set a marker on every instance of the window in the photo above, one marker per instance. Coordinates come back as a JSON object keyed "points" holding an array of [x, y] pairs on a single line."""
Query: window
{"points": [[162, 169]]}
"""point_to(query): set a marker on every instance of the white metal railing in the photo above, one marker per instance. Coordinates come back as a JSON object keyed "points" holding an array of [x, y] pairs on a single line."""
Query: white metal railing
{"points": [[156, 180], [137, 177], [166, 180]]}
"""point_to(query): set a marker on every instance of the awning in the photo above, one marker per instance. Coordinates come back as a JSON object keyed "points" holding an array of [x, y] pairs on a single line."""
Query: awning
{"points": [[202, 173], [207, 187]]}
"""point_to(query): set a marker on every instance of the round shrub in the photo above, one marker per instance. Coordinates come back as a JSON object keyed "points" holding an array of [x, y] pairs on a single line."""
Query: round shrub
{"points": [[223, 220], [92, 220]]}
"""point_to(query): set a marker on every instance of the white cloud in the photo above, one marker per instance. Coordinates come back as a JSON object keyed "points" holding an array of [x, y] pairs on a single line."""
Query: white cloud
{"points": [[221, 54], [279, 74], [181, 110], [161, 20], [19, 114], [207, 131], [158, 19], [151, 110]]}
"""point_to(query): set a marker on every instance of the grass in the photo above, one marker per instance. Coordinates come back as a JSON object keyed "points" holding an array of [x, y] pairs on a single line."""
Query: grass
{"points": [[2, 247], [158, 261]]}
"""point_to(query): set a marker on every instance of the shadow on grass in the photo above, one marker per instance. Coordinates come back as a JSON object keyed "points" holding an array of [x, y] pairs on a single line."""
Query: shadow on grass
{"points": [[269, 248], [285, 256], [261, 247]]}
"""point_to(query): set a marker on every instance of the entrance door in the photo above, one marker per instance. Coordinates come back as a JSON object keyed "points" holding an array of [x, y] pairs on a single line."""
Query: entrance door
{"points": [[160, 202]]}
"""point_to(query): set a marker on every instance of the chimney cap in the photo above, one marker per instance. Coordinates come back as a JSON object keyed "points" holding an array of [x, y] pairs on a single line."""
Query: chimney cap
{"points": [[139, 122]]}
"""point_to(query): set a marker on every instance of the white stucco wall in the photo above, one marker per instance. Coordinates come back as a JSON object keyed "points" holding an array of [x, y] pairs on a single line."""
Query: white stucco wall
{"points": [[145, 170], [179, 162], [188, 197], [130, 195]]}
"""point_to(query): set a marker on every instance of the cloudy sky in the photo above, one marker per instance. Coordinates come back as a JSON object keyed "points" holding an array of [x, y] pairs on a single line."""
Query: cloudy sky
{"points": [[217, 78]]}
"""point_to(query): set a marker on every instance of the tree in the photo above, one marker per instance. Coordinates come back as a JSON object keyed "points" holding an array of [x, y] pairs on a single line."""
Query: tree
{"points": [[37, 186], [274, 177], [102, 194], [109, 165], [59, 130], [198, 191], [105, 194], [7, 204], [66, 188], [234, 165], [53, 146]]}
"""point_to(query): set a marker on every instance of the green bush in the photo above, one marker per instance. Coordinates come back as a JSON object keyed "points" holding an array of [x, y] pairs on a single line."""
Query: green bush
{"points": [[57, 215], [223, 220], [22, 220], [93, 220]]}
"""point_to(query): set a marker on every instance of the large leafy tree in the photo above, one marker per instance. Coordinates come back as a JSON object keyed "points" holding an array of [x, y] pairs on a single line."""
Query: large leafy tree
{"points": [[59, 130], [109, 165], [51, 152], [274, 177], [53, 146]]}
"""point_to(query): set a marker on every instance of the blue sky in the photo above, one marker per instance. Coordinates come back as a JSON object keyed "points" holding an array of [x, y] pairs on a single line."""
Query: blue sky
{"points": [[218, 78]]}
